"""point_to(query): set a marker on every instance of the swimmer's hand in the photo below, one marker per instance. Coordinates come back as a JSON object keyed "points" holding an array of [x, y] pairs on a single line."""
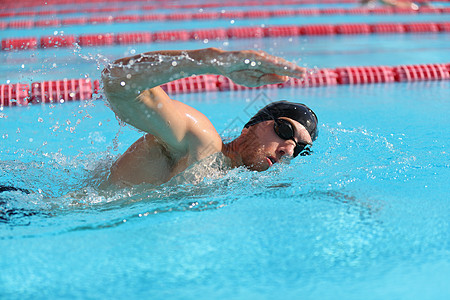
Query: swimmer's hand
{"points": [[256, 68]]}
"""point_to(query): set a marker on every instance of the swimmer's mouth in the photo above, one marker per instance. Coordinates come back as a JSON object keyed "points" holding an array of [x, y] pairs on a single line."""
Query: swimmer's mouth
{"points": [[271, 160]]}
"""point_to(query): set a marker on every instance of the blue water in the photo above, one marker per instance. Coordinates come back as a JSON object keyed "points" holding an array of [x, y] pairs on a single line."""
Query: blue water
{"points": [[364, 217]]}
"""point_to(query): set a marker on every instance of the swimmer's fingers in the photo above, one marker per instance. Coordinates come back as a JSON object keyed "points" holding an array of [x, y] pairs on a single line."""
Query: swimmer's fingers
{"points": [[264, 62], [255, 78], [276, 65]]}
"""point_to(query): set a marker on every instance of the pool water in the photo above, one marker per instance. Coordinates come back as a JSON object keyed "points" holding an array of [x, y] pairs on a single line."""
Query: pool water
{"points": [[365, 216]]}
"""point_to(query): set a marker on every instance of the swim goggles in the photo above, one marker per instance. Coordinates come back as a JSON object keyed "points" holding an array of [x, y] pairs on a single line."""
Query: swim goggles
{"points": [[284, 130]]}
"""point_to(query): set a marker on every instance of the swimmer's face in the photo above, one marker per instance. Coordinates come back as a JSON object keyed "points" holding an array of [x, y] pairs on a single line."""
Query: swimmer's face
{"points": [[262, 146]]}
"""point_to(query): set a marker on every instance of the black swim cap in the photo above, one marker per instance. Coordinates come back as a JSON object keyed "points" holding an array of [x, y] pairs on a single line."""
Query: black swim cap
{"points": [[295, 111]]}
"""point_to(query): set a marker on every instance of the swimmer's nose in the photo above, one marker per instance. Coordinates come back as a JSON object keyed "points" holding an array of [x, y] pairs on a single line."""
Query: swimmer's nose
{"points": [[285, 150]]}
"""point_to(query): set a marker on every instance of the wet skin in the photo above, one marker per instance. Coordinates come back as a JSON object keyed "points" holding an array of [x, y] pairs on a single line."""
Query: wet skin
{"points": [[179, 135]]}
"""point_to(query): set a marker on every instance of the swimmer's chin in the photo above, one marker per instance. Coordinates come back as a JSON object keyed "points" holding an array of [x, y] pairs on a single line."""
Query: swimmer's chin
{"points": [[266, 164]]}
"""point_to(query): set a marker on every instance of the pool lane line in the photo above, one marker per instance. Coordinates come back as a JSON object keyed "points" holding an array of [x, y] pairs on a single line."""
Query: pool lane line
{"points": [[130, 38], [48, 10], [103, 19], [61, 91]]}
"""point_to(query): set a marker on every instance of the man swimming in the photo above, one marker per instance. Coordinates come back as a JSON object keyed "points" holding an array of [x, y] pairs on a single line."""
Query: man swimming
{"points": [[179, 135]]}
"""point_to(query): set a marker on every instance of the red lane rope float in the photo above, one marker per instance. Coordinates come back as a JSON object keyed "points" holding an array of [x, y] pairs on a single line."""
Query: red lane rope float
{"points": [[74, 21], [365, 75], [210, 34], [61, 90], [421, 27], [82, 89], [21, 24], [353, 29], [96, 39], [245, 32], [14, 94], [218, 15], [167, 36], [421, 72], [21, 4], [19, 44], [57, 41], [444, 27], [133, 38], [388, 28], [221, 33], [32, 3], [275, 31]]}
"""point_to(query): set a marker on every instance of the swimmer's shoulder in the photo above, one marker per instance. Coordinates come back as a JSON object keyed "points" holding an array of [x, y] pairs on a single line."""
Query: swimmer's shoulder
{"points": [[203, 138]]}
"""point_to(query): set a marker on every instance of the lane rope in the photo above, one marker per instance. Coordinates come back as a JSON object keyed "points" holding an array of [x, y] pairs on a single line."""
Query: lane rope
{"points": [[60, 91], [237, 14], [129, 38], [8, 5]]}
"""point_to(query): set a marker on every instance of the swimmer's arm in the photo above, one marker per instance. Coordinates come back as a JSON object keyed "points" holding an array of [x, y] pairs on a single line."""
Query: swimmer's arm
{"points": [[401, 4], [132, 84], [132, 75]]}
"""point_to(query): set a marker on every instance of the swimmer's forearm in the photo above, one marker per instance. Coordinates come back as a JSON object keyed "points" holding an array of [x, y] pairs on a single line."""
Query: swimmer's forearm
{"points": [[147, 70], [129, 77]]}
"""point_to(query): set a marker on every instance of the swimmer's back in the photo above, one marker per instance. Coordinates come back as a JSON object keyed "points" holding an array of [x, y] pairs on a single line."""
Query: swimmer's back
{"points": [[151, 160], [146, 160]]}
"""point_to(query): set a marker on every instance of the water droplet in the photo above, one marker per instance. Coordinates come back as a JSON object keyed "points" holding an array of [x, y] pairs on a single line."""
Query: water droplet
{"points": [[40, 120], [30, 140], [122, 83], [128, 76], [253, 64], [174, 63], [247, 61], [232, 21]]}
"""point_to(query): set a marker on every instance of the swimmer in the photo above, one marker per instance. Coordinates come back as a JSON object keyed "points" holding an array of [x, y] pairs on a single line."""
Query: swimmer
{"points": [[177, 135], [395, 3]]}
